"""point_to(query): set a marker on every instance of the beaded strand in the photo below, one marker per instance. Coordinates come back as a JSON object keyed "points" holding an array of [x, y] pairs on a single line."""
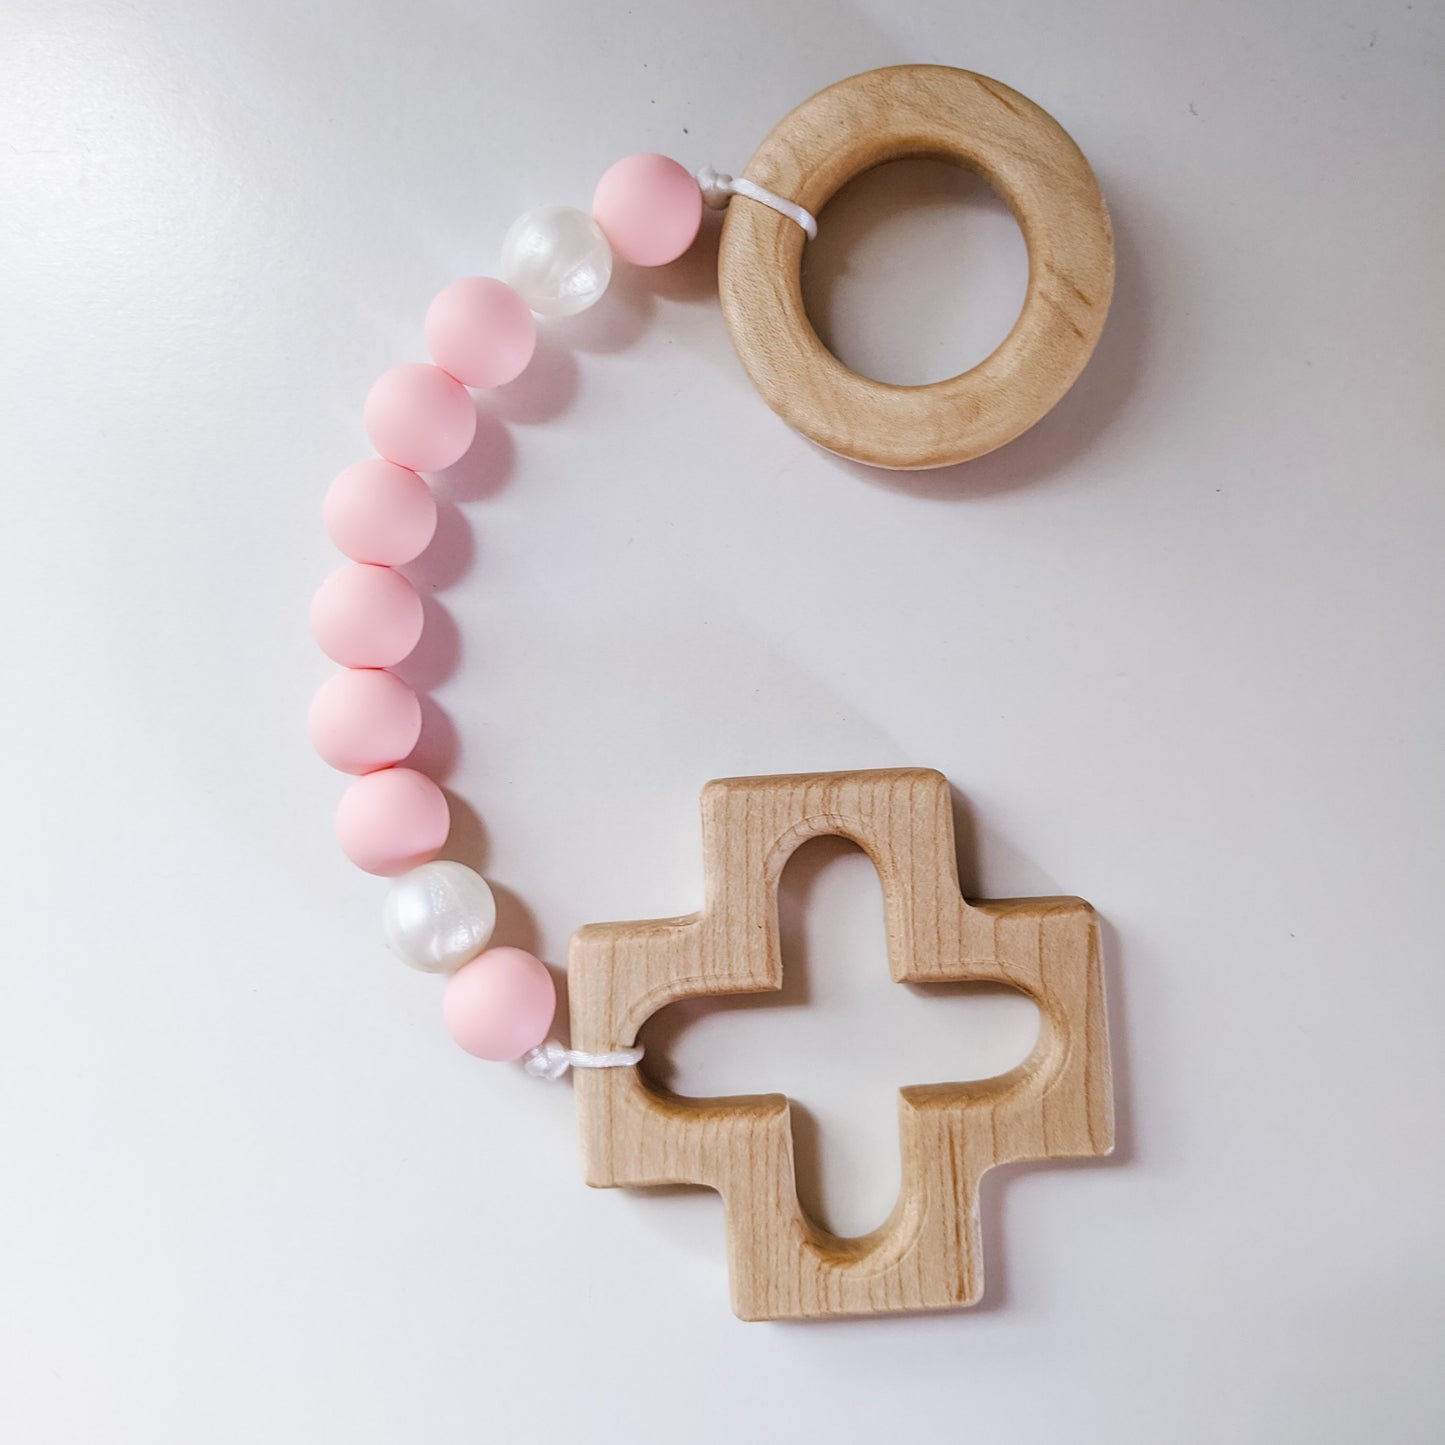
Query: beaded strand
{"points": [[393, 820]]}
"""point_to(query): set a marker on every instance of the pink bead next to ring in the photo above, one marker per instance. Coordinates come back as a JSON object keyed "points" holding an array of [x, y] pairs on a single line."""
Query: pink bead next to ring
{"points": [[500, 1004], [649, 208]]}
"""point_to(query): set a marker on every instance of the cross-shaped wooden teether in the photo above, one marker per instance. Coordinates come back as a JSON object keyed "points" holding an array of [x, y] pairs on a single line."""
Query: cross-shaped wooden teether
{"points": [[1057, 1104]]}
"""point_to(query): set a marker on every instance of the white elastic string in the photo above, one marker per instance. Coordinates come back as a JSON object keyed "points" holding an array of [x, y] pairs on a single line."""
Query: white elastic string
{"points": [[718, 190], [551, 1060]]}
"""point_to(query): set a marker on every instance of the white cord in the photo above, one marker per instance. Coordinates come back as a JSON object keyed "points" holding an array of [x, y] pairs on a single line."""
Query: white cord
{"points": [[718, 190], [551, 1060]]}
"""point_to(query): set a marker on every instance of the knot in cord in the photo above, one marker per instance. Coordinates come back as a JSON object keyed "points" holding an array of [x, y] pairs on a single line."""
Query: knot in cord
{"points": [[718, 189], [551, 1060]]}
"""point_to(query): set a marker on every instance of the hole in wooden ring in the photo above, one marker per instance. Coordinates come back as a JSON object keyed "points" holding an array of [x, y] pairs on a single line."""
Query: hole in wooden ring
{"points": [[918, 272]]}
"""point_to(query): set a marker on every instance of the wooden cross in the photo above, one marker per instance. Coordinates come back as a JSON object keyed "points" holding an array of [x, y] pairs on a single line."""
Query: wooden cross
{"points": [[1057, 1104]]}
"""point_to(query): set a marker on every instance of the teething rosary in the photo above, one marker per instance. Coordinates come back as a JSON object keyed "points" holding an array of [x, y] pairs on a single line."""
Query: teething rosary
{"points": [[393, 820]]}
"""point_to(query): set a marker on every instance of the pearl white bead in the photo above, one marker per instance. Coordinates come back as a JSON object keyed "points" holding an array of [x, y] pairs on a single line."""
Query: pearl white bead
{"points": [[438, 916], [557, 259]]}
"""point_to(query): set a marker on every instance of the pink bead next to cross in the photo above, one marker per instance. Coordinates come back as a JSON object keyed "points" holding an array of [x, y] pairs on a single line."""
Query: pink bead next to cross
{"points": [[392, 820]]}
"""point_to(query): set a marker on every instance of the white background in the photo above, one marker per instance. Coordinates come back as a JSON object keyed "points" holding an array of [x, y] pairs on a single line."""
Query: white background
{"points": [[1178, 648]]}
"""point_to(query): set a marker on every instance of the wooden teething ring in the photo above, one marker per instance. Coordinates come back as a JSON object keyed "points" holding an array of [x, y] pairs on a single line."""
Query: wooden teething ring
{"points": [[1028, 158]]}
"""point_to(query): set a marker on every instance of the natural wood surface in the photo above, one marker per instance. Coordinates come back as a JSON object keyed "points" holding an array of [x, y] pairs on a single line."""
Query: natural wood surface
{"points": [[1057, 1104], [886, 115]]}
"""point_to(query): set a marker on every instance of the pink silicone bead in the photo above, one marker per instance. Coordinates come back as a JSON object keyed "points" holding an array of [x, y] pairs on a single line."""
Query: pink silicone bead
{"points": [[363, 719], [392, 820], [649, 209], [379, 512], [500, 1004], [481, 331], [365, 616], [419, 417]]}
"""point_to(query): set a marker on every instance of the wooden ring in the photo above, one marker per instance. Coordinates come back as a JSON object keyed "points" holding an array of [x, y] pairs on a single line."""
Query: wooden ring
{"points": [[1028, 158]]}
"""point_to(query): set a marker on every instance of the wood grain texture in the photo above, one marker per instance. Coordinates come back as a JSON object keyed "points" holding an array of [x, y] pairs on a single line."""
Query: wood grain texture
{"points": [[1057, 1104], [1028, 158]]}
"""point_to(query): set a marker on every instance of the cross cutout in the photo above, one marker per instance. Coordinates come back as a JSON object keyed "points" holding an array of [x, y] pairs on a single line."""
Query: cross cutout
{"points": [[1057, 1104]]}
